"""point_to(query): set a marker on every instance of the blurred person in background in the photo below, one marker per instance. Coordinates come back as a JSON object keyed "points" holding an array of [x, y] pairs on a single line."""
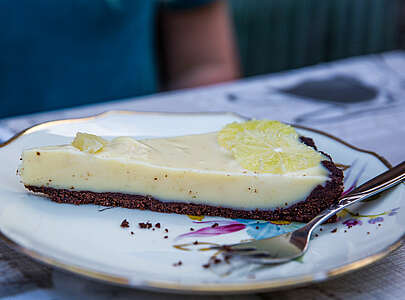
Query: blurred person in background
{"points": [[65, 53]]}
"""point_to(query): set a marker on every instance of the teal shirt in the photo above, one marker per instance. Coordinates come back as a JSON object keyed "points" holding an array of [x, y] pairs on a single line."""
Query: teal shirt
{"points": [[64, 53]]}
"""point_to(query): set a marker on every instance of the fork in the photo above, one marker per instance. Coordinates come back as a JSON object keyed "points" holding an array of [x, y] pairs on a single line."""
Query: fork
{"points": [[288, 246]]}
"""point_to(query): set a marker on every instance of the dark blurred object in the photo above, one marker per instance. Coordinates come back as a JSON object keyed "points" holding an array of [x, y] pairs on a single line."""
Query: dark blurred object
{"points": [[275, 35], [65, 53], [402, 25], [338, 89]]}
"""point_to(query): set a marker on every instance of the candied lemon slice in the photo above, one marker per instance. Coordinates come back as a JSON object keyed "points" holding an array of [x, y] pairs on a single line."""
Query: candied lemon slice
{"points": [[89, 143], [267, 147]]}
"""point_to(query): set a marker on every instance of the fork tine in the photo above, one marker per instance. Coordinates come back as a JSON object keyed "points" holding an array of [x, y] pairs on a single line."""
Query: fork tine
{"points": [[247, 247], [252, 253], [266, 260]]}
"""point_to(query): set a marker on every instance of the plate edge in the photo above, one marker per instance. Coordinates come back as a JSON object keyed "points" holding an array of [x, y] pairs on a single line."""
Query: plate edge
{"points": [[176, 288]]}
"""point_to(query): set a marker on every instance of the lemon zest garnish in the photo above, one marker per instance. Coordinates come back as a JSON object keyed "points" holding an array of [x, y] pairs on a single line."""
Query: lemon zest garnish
{"points": [[89, 143], [267, 147]]}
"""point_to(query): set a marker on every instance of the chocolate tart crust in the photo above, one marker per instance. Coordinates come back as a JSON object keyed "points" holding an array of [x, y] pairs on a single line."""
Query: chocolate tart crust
{"points": [[319, 199]]}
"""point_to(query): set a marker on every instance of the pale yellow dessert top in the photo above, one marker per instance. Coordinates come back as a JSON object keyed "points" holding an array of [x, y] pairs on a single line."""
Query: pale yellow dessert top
{"points": [[198, 152]]}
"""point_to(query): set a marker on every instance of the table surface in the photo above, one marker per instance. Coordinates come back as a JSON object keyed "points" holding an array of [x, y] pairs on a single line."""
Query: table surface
{"points": [[372, 122]]}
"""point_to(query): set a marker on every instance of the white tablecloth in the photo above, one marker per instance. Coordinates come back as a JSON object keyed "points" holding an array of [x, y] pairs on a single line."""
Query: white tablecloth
{"points": [[376, 125]]}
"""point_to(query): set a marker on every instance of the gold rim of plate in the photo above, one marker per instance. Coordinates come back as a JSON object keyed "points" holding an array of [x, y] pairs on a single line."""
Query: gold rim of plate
{"points": [[202, 289]]}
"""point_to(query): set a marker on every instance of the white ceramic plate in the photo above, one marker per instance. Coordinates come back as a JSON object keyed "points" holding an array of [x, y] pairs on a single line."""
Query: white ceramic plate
{"points": [[89, 240]]}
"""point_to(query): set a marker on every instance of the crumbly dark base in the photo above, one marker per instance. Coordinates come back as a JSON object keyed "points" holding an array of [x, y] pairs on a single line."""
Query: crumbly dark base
{"points": [[319, 199]]}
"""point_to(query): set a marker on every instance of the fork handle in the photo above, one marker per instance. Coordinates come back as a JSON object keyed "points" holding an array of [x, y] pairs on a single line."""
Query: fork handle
{"points": [[372, 187]]}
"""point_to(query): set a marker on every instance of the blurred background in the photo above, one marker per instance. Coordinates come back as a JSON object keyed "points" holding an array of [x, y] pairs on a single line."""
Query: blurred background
{"points": [[277, 35], [68, 53]]}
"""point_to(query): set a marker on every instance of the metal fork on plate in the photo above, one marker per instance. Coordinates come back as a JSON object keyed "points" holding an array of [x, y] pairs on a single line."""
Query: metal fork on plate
{"points": [[292, 245]]}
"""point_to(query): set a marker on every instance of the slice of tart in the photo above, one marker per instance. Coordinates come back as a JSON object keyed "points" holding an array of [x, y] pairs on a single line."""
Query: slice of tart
{"points": [[254, 170]]}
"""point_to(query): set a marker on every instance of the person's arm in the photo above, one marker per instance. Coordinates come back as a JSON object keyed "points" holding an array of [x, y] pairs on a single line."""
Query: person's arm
{"points": [[198, 46]]}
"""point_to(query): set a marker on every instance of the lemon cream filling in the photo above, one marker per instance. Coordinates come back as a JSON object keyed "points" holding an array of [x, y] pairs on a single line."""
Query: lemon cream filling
{"points": [[190, 169]]}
